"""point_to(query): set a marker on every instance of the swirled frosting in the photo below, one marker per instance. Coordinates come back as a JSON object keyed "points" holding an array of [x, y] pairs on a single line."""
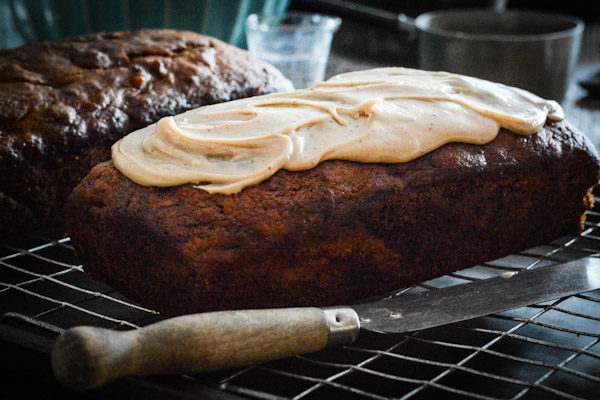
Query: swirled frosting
{"points": [[387, 115]]}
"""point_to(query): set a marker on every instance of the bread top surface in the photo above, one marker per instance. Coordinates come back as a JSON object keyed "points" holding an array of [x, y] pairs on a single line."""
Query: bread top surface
{"points": [[59, 97]]}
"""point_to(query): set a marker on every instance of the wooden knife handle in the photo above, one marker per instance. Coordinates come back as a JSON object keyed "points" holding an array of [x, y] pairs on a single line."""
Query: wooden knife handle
{"points": [[87, 357]]}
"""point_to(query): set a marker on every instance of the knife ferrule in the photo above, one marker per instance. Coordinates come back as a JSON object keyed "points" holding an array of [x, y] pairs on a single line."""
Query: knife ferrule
{"points": [[343, 324]]}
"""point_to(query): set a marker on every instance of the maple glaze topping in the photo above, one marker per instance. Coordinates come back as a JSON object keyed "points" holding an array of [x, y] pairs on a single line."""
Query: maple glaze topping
{"points": [[388, 115]]}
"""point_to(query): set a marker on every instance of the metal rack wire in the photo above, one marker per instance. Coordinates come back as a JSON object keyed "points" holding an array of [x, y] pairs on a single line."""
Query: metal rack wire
{"points": [[549, 350]]}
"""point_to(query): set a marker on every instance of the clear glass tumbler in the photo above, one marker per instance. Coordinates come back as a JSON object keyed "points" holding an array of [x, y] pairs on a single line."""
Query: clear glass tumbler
{"points": [[297, 44]]}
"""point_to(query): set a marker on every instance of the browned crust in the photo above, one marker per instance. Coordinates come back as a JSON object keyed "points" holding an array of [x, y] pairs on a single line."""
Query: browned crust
{"points": [[63, 104], [334, 234]]}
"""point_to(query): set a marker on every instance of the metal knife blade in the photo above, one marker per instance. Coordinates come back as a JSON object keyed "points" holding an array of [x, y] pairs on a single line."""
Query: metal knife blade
{"points": [[410, 312]]}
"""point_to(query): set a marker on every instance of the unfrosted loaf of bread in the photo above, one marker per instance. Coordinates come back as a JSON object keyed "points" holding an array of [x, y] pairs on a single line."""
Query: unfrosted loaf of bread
{"points": [[63, 104], [336, 233]]}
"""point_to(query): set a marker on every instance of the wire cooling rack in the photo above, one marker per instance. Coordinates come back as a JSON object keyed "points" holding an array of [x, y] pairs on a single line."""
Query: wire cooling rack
{"points": [[544, 351]]}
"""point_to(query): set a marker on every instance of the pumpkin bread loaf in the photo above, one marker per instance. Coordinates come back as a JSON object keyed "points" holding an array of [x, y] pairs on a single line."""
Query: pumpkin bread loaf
{"points": [[63, 104]]}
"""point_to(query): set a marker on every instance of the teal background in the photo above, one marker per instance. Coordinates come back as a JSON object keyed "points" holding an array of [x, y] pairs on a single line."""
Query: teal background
{"points": [[29, 21]]}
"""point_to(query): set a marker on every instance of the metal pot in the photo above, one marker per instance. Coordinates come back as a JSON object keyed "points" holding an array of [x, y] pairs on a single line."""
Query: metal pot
{"points": [[531, 50]]}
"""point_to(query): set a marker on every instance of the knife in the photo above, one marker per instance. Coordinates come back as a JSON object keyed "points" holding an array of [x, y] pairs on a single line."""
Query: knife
{"points": [[87, 357]]}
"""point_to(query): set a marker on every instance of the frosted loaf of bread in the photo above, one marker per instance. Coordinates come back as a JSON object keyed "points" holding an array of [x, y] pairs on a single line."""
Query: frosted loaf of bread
{"points": [[336, 230]]}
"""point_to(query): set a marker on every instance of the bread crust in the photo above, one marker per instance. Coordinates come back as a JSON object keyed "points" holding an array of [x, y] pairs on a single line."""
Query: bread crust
{"points": [[334, 234], [63, 104]]}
